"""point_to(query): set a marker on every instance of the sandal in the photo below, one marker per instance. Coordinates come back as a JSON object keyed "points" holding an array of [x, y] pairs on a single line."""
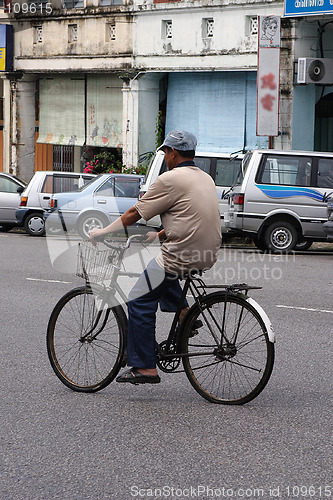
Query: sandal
{"points": [[132, 376]]}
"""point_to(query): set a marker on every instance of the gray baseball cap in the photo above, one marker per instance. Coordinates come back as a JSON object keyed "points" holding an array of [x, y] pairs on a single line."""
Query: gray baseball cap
{"points": [[181, 140]]}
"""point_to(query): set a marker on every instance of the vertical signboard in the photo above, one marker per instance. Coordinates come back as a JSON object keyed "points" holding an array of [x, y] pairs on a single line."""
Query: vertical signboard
{"points": [[6, 47], [268, 76]]}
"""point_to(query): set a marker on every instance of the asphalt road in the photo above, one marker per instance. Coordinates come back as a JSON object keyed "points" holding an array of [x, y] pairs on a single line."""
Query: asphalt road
{"points": [[165, 441]]}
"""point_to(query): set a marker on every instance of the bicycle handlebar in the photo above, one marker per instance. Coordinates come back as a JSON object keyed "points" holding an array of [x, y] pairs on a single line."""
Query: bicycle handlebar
{"points": [[140, 238], [137, 237]]}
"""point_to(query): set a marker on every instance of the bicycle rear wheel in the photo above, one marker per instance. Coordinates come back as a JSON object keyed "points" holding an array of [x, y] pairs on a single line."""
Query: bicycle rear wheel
{"points": [[236, 369], [86, 340]]}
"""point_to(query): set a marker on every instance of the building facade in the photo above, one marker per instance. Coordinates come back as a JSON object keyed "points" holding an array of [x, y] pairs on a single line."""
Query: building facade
{"points": [[105, 74]]}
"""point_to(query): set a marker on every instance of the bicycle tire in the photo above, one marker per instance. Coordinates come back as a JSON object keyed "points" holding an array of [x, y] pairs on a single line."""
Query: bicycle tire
{"points": [[86, 364], [234, 372]]}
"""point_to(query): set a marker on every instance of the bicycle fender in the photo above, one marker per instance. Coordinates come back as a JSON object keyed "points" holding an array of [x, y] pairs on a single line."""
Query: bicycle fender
{"points": [[264, 317]]}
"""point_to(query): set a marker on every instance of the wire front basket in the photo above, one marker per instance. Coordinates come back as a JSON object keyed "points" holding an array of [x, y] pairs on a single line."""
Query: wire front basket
{"points": [[95, 265]]}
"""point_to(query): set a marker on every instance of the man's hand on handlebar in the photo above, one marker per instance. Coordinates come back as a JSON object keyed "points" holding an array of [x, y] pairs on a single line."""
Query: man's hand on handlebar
{"points": [[150, 236], [96, 234]]}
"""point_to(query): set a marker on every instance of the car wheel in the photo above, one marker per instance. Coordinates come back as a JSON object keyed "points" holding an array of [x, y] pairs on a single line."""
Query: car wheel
{"points": [[303, 245], [260, 244], [280, 237], [89, 222], [5, 228], [35, 225]]}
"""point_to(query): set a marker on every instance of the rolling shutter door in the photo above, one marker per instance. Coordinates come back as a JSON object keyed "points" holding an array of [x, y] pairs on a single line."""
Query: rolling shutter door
{"points": [[219, 108]]}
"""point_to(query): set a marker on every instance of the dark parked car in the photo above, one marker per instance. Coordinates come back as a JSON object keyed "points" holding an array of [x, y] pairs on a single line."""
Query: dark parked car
{"points": [[11, 188], [328, 226], [96, 204]]}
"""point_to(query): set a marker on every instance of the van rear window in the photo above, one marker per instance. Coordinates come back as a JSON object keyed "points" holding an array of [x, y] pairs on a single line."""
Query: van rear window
{"points": [[286, 171], [228, 172], [203, 164]]}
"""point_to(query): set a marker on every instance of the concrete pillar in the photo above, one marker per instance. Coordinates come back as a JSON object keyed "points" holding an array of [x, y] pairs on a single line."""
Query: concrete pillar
{"points": [[140, 110], [130, 123], [23, 122]]}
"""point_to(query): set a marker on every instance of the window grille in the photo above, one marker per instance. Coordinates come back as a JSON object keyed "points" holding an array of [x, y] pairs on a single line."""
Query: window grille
{"points": [[168, 29], [207, 26], [112, 31], [63, 158], [72, 33], [38, 35], [210, 27], [253, 25]]}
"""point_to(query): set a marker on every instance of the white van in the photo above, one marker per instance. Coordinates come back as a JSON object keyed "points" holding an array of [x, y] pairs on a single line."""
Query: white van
{"points": [[223, 168], [282, 198]]}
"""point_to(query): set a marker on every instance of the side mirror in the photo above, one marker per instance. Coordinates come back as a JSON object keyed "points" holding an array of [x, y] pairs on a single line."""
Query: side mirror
{"points": [[20, 189]]}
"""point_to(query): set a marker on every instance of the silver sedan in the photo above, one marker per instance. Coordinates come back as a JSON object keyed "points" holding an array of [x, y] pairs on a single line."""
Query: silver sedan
{"points": [[11, 188]]}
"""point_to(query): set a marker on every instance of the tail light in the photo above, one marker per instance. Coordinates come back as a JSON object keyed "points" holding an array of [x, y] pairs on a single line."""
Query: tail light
{"points": [[238, 199], [24, 201], [53, 203]]}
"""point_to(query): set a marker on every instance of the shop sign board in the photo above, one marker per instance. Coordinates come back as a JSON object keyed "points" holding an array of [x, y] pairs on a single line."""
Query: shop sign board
{"points": [[295, 8], [268, 76], [6, 47]]}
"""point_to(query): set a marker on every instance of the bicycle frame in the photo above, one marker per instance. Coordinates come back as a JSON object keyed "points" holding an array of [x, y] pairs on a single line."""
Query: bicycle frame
{"points": [[198, 291]]}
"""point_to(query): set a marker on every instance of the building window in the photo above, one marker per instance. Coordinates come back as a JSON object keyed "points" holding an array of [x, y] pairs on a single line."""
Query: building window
{"points": [[166, 29], [106, 3], [110, 31], [38, 34], [207, 28], [252, 25], [72, 33], [72, 4]]}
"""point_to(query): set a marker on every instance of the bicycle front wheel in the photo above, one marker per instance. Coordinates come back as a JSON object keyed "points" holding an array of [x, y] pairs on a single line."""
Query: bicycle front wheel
{"points": [[230, 358], [86, 340]]}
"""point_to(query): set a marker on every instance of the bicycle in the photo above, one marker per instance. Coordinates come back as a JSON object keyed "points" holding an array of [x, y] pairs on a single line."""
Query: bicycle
{"points": [[225, 342]]}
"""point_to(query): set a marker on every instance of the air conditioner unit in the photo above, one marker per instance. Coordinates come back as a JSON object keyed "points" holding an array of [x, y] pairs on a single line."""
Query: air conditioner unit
{"points": [[319, 71]]}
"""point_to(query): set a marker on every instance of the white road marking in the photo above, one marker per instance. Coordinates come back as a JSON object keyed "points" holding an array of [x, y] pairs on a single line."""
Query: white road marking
{"points": [[306, 309], [48, 281]]}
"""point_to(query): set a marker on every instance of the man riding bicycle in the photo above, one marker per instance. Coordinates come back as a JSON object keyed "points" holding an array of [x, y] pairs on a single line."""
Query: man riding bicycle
{"points": [[185, 198]]}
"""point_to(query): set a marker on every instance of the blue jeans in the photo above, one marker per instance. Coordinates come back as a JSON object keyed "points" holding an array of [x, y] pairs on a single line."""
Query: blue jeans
{"points": [[154, 287]]}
